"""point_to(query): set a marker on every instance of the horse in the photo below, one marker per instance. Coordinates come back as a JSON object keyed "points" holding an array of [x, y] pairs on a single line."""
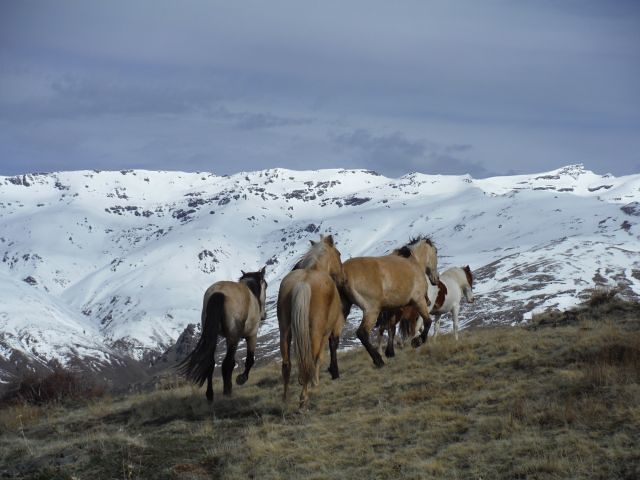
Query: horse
{"points": [[411, 327], [309, 313], [389, 281], [233, 310], [445, 296]]}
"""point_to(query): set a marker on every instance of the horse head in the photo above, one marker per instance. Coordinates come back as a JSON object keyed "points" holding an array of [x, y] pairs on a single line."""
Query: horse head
{"points": [[426, 254], [258, 285], [468, 289], [332, 260]]}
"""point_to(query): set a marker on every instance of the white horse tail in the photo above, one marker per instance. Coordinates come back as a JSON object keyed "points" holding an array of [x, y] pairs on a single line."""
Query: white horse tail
{"points": [[300, 303]]}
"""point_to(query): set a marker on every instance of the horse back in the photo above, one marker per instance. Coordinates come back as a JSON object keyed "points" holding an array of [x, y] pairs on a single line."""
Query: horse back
{"points": [[241, 308], [388, 281], [325, 308]]}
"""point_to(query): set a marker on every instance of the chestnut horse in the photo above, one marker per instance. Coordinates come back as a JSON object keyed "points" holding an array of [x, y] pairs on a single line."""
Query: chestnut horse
{"points": [[411, 327], [445, 297], [310, 313], [390, 281], [233, 310]]}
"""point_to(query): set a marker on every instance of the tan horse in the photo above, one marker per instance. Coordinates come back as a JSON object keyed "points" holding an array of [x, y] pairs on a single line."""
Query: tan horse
{"points": [[233, 310], [390, 281], [310, 312]]}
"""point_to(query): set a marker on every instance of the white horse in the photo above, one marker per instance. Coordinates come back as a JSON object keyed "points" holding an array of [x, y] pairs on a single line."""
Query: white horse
{"points": [[445, 297]]}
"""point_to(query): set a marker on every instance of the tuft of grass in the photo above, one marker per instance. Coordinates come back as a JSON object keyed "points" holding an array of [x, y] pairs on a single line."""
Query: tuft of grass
{"points": [[557, 399]]}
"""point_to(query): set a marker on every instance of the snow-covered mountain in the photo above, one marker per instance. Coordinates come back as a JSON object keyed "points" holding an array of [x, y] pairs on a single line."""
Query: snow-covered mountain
{"points": [[108, 265]]}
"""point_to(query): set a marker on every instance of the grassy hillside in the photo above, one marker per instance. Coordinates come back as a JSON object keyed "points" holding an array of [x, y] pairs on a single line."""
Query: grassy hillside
{"points": [[557, 399]]}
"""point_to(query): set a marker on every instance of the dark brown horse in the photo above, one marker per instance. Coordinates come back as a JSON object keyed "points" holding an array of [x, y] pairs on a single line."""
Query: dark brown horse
{"points": [[390, 281], [233, 310], [310, 313]]}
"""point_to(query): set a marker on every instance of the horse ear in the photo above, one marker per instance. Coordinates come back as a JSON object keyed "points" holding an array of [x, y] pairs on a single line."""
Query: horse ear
{"points": [[264, 269], [312, 242], [243, 272], [329, 240]]}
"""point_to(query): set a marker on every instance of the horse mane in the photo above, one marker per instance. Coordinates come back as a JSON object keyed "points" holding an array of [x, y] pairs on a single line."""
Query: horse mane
{"points": [[420, 238], [467, 272], [310, 258], [405, 251], [253, 281]]}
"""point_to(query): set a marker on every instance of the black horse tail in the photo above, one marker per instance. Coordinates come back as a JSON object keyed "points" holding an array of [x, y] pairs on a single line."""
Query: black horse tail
{"points": [[200, 362], [346, 301]]}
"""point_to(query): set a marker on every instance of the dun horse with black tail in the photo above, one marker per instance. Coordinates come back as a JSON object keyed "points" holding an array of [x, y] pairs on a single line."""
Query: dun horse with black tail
{"points": [[233, 310]]}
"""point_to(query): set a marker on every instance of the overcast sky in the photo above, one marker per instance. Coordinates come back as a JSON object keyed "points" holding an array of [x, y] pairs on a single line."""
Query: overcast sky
{"points": [[480, 87]]}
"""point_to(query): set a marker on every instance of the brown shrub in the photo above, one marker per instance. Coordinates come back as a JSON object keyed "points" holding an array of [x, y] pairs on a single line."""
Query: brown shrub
{"points": [[59, 385], [601, 296]]}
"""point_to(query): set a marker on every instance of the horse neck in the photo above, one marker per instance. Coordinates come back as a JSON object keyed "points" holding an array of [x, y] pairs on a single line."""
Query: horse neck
{"points": [[323, 264], [255, 290], [421, 255], [460, 278]]}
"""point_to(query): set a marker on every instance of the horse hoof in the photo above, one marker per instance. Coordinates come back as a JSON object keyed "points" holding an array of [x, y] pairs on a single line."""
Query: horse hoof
{"points": [[389, 353], [210, 397], [226, 392], [378, 362], [416, 342], [241, 379]]}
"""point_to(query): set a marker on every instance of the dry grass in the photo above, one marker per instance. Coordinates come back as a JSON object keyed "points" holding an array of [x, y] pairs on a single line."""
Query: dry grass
{"points": [[556, 400]]}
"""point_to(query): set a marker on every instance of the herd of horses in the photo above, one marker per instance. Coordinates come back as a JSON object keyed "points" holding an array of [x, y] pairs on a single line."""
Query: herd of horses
{"points": [[315, 297]]}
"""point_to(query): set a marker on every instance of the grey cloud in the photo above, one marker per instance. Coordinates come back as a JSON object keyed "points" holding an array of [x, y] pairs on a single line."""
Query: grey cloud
{"points": [[394, 153], [528, 85], [253, 121], [382, 148]]}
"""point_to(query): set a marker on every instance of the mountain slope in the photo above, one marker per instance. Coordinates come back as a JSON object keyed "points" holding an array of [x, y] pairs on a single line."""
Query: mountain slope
{"points": [[126, 255]]}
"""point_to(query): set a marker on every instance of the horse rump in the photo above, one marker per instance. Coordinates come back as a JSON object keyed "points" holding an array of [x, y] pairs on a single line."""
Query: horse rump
{"points": [[200, 362]]}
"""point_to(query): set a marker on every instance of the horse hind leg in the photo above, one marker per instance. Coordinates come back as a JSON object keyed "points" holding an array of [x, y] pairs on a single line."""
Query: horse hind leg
{"points": [[285, 349], [368, 320], [316, 344], [390, 350], [380, 337], [304, 397], [334, 341], [454, 314], [436, 328], [423, 310], [228, 365], [210, 385], [251, 348]]}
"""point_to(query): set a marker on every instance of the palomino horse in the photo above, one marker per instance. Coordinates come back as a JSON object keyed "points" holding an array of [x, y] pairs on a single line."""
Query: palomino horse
{"points": [[390, 281], [411, 327], [310, 312], [233, 310], [445, 297]]}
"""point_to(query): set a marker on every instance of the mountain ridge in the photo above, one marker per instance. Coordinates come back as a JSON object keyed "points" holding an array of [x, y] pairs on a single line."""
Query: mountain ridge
{"points": [[123, 256]]}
